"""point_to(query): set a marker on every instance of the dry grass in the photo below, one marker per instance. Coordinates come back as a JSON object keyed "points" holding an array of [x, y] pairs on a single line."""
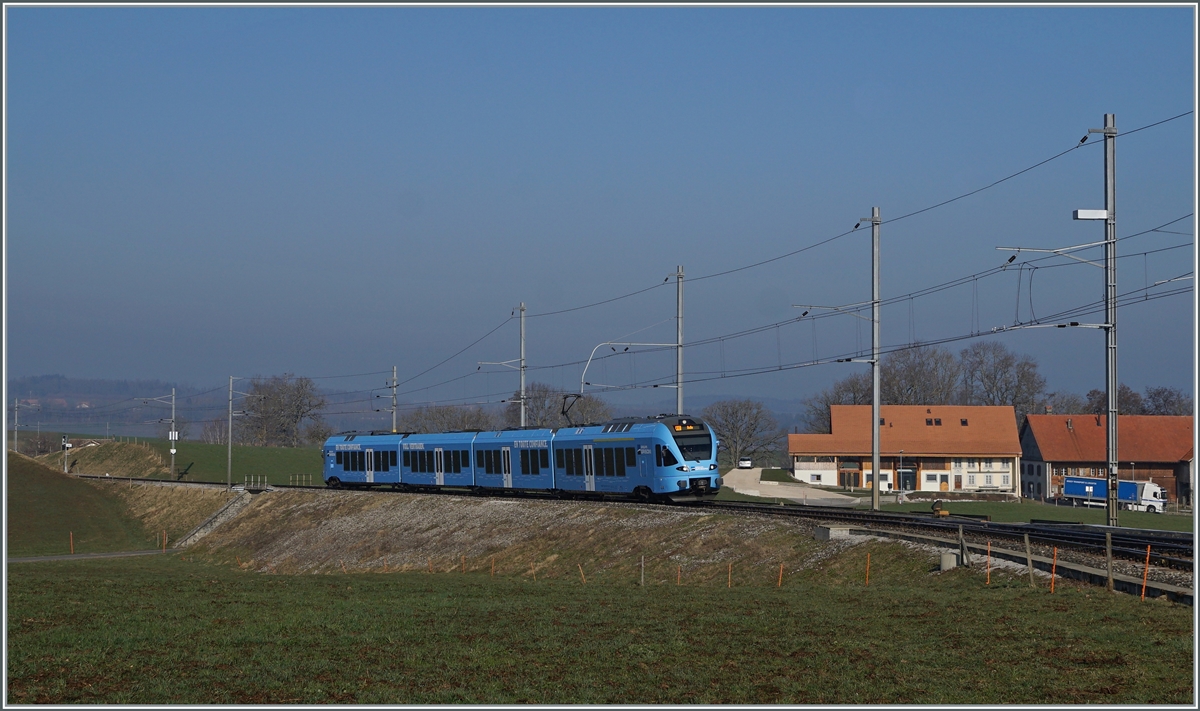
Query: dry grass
{"points": [[174, 509], [123, 458], [305, 532]]}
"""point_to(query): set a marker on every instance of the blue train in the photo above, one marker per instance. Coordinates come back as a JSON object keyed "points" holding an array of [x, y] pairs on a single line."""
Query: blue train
{"points": [[665, 457]]}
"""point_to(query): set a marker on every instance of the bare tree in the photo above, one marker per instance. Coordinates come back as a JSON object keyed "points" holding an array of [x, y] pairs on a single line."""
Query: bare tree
{"points": [[215, 431], [283, 410], [922, 375], [994, 375], [744, 428], [852, 390], [445, 418], [1167, 401], [1129, 402], [543, 408], [1064, 403]]}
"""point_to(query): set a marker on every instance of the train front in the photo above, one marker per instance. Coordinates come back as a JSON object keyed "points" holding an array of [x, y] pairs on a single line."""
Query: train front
{"points": [[687, 466]]}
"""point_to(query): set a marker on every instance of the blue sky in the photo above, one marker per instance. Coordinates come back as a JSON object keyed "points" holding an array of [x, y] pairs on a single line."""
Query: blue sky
{"points": [[194, 193]]}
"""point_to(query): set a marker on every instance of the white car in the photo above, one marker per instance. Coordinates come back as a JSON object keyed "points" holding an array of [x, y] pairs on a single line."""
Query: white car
{"points": [[744, 463]]}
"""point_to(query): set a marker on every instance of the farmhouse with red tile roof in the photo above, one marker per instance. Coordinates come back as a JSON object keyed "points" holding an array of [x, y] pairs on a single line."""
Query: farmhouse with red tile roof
{"points": [[1154, 448], [922, 448]]}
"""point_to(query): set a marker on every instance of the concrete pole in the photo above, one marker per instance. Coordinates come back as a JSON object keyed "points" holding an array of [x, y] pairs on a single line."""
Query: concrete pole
{"points": [[16, 421], [522, 363], [875, 356], [1110, 306], [174, 436], [229, 442], [393, 399], [679, 340]]}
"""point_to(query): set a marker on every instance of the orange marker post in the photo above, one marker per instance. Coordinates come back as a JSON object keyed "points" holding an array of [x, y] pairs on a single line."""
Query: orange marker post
{"points": [[729, 581], [430, 565], [1146, 573], [868, 583], [780, 583], [989, 564], [72, 543], [1053, 569], [581, 573]]}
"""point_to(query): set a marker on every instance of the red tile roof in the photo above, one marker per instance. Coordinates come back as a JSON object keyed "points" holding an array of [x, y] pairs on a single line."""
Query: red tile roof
{"points": [[989, 430], [1140, 438]]}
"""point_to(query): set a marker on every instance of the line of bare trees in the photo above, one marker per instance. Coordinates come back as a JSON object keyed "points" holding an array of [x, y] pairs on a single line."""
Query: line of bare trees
{"points": [[278, 411], [984, 373]]}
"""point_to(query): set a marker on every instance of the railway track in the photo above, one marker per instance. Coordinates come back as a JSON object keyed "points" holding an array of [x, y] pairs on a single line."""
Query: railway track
{"points": [[1169, 549]]}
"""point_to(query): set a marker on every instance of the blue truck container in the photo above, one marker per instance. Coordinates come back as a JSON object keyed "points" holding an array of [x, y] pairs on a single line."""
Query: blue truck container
{"points": [[1132, 495]]}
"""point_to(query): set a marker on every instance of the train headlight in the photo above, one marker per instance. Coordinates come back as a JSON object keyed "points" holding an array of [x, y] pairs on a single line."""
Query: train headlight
{"points": [[712, 466]]}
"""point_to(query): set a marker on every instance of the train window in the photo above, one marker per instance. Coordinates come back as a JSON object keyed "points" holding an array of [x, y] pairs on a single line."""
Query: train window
{"points": [[374, 461], [407, 458], [480, 458], [524, 461], [362, 461], [566, 461], [534, 459], [620, 455], [559, 459], [609, 467], [392, 456], [466, 459], [578, 462], [658, 455], [669, 459], [487, 462], [346, 462], [544, 458], [338, 458], [630, 457]]}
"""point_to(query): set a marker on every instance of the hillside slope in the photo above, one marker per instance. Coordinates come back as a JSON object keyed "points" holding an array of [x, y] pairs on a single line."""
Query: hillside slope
{"points": [[46, 506], [116, 458]]}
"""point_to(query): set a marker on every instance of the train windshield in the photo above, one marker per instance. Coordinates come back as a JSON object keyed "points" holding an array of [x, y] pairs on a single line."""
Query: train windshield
{"points": [[694, 446]]}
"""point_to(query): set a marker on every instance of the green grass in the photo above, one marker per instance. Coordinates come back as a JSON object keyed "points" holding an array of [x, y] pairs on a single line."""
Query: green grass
{"points": [[46, 506], [778, 475], [1025, 510], [277, 464], [169, 631]]}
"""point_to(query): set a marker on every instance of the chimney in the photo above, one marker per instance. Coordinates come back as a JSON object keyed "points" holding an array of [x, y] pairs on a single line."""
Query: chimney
{"points": [[1069, 427], [1049, 409]]}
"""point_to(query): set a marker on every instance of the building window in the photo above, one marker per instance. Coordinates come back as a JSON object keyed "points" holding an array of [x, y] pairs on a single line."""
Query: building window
{"points": [[970, 480], [815, 478], [932, 478], [987, 479], [1006, 480], [937, 422], [929, 422], [963, 423]]}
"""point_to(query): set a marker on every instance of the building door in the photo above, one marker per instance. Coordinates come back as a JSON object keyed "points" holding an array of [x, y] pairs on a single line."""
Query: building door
{"points": [[589, 471], [506, 466], [439, 470], [958, 482], [370, 465], [944, 482]]}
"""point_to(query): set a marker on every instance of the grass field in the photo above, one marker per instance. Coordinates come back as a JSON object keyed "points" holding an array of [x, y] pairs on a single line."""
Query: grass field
{"points": [[1025, 510], [209, 462], [174, 631], [45, 507]]}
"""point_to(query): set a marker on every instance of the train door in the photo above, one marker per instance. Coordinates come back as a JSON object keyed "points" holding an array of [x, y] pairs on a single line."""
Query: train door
{"points": [[370, 465], [589, 471], [506, 466], [439, 467]]}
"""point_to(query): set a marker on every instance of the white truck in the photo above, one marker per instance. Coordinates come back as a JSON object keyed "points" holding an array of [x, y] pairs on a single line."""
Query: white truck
{"points": [[1131, 495]]}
